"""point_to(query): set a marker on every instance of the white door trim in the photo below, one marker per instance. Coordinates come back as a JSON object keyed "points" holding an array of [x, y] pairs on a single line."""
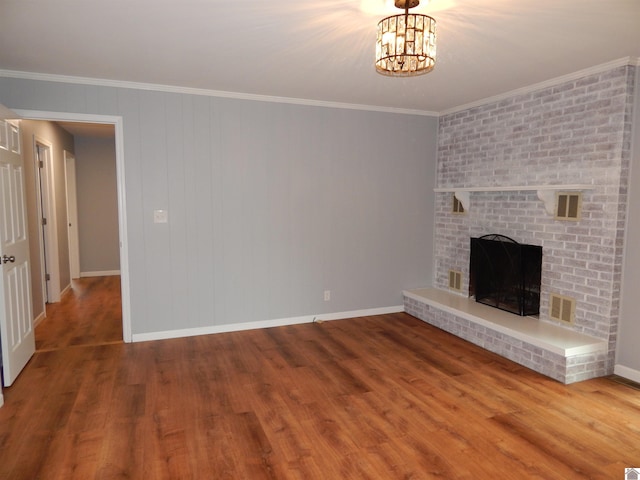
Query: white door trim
{"points": [[39, 214], [47, 209], [72, 213], [117, 122]]}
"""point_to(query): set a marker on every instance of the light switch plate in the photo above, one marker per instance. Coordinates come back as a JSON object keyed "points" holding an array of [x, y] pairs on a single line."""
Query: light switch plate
{"points": [[160, 216]]}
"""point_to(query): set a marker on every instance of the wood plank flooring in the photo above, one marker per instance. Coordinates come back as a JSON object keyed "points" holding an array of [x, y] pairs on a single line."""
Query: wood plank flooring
{"points": [[89, 314], [381, 397]]}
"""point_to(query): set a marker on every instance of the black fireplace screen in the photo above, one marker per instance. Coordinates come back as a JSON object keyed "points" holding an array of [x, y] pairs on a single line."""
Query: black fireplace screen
{"points": [[506, 274]]}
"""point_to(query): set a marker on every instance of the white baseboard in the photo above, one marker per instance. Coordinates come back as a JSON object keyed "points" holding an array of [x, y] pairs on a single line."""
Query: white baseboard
{"points": [[280, 322], [104, 273], [1, 400], [39, 318], [628, 373], [65, 290]]}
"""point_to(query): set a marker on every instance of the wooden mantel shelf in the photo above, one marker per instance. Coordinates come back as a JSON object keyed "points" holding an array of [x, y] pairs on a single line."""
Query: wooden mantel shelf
{"points": [[546, 193]]}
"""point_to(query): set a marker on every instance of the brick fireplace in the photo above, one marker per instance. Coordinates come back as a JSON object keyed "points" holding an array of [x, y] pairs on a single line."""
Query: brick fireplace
{"points": [[574, 132]]}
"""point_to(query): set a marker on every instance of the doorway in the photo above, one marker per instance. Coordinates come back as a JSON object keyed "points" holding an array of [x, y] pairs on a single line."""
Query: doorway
{"points": [[47, 234], [58, 178], [116, 123]]}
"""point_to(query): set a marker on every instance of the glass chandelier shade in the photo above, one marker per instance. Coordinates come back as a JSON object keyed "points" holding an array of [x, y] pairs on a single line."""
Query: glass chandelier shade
{"points": [[406, 44]]}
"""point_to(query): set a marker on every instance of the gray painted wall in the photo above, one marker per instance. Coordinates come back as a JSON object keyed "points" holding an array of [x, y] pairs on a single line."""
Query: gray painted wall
{"points": [[628, 351], [60, 141], [269, 204], [97, 204]]}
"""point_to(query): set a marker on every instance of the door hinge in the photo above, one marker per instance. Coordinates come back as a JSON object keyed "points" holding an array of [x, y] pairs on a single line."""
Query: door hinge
{"points": [[47, 277], [40, 164], [44, 221]]}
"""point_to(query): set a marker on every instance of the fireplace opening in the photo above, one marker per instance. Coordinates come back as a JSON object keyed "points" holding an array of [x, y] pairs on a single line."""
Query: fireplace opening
{"points": [[505, 274]]}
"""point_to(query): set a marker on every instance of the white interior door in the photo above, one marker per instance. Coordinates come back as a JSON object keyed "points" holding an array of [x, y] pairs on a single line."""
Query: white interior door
{"points": [[72, 214], [16, 322]]}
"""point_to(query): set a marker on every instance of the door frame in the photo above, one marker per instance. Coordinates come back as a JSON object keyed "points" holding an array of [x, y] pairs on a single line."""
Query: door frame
{"points": [[47, 237], [117, 122], [72, 213]]}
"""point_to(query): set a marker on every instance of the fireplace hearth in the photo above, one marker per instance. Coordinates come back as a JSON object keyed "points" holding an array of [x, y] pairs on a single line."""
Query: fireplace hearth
{"points": [[505, 274]]}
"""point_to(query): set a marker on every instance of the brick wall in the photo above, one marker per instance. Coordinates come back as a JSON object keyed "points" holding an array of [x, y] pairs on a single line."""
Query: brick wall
{"points": [[577, 132]]}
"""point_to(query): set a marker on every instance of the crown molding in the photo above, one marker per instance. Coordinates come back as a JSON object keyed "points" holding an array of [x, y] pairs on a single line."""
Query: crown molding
{"points": [[621, 62], [101, 82]]}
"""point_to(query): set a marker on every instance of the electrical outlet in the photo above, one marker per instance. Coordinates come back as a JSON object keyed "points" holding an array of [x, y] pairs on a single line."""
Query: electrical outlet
{"points": [[327, 295]]}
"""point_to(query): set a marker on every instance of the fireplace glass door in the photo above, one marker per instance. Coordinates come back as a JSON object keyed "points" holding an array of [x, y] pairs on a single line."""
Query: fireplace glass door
{"points": [[506, 274]]}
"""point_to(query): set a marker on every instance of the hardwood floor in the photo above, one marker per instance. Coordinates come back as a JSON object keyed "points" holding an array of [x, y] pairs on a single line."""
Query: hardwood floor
{"points": [[90, 314], [382, 397]]}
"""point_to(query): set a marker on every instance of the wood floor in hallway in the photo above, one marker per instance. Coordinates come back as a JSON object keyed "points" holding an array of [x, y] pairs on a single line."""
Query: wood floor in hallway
{"points": [[89, 314], [382, 397]]}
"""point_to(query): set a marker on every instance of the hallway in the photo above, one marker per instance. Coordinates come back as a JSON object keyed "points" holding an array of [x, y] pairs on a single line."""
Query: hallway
{"points": [[90, 314]]}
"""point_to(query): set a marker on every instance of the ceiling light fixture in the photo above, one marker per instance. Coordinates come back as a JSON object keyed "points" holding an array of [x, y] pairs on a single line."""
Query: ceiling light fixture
{"points": [[406, 44]]}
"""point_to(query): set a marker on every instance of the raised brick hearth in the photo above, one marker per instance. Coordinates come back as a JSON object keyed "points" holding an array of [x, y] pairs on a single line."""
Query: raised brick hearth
{"points": [[557, 352]]}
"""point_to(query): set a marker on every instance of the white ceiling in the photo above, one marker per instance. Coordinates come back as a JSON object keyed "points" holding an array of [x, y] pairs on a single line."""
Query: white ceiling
{"points": [[320, 50]]}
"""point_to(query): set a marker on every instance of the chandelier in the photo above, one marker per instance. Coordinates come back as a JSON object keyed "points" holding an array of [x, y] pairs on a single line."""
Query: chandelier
{"points": [[406, 44]]}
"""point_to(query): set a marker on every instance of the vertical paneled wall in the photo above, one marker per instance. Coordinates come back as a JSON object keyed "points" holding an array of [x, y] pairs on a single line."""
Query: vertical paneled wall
{"points": [[269, 204], [577, 132]]}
